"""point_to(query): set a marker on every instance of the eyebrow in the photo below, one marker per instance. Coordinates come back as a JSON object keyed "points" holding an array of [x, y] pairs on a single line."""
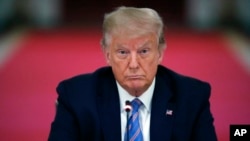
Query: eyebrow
{"points": [[121, 46], [139, 46], [144, 44]]}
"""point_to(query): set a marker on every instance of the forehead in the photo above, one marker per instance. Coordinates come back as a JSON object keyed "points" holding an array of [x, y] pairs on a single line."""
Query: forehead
{"points": [[134, 38]]}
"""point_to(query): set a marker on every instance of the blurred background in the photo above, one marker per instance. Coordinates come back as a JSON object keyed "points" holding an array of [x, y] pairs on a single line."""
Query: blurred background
{"points": [[198, 14], [45, 41]]}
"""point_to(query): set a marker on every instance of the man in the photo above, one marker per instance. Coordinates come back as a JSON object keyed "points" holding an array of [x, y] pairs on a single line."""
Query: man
{"points": [[171, 107]]}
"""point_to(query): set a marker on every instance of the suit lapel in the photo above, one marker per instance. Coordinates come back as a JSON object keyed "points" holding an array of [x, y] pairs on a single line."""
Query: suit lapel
{"points": [[109, 107], [163, 109]]}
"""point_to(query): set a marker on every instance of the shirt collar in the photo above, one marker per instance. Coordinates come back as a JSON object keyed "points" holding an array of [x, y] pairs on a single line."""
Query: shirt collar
{"points": [[145, 98]]}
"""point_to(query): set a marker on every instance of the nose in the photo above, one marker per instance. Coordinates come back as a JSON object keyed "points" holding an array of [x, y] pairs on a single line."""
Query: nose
{"points": [[133, 62]]}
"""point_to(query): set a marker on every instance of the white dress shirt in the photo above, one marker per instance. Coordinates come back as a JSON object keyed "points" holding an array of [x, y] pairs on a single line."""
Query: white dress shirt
{"points": [[144, 111]]}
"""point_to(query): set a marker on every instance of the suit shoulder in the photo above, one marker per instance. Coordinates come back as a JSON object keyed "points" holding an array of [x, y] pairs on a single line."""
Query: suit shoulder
{"points": [[180, 78], [184, 84], [84, 82], [81, 87], [88, 77]]}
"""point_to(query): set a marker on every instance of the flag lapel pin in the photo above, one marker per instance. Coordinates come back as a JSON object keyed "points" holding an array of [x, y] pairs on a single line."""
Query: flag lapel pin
{"points": [[169, 112]]}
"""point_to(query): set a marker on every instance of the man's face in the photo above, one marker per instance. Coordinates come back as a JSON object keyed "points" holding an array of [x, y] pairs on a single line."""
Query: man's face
{"points": [[134, 61]]}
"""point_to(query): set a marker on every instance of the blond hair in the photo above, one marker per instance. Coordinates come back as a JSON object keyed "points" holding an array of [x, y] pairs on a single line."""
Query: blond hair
{"points": [[135, 20]]}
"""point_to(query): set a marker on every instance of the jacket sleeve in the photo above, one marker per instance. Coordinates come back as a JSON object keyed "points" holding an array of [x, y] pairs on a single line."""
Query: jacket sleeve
{"points": [[64, 126], [204, 129]]}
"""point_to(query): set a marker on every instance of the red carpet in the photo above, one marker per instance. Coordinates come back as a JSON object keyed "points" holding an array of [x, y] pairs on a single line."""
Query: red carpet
{"points": [[28, 81]]}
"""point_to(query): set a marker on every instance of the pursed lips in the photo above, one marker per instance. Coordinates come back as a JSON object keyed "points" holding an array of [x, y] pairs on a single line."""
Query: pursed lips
{"points": [[134, 76]]}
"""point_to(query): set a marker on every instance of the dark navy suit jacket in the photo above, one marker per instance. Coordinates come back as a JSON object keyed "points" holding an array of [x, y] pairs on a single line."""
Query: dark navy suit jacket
{"points": [[89, 109]]}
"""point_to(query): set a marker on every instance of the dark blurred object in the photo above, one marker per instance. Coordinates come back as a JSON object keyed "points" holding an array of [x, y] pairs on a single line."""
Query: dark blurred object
{"points": [[37, 13], [82, 12]]}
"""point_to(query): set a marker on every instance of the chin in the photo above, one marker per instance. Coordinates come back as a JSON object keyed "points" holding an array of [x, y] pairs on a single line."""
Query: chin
{"points": [[137, 85]]}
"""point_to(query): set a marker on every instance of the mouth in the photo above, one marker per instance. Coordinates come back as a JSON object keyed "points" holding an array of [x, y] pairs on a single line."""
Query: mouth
{"points": [[134, 76]]}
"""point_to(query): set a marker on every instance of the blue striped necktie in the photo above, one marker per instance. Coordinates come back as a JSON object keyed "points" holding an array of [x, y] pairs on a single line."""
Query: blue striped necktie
{"points": [[134, 131]]}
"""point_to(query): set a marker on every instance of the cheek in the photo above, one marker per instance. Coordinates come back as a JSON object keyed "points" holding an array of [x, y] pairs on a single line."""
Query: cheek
{"points": [[118, 65], [151, 61], [119, 71], [158, 59], [150, 66]]}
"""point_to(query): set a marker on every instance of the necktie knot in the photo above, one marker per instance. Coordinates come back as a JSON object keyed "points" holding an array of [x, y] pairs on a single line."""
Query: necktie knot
{"points": [[136, 103]]}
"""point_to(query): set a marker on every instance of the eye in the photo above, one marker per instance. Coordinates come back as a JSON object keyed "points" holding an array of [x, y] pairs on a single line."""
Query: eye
{"points": [[144, 51], [122, 52]]}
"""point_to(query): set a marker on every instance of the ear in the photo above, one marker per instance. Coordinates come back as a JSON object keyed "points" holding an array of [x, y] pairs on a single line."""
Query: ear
{"points": [[161, 54], [106, 52]]}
